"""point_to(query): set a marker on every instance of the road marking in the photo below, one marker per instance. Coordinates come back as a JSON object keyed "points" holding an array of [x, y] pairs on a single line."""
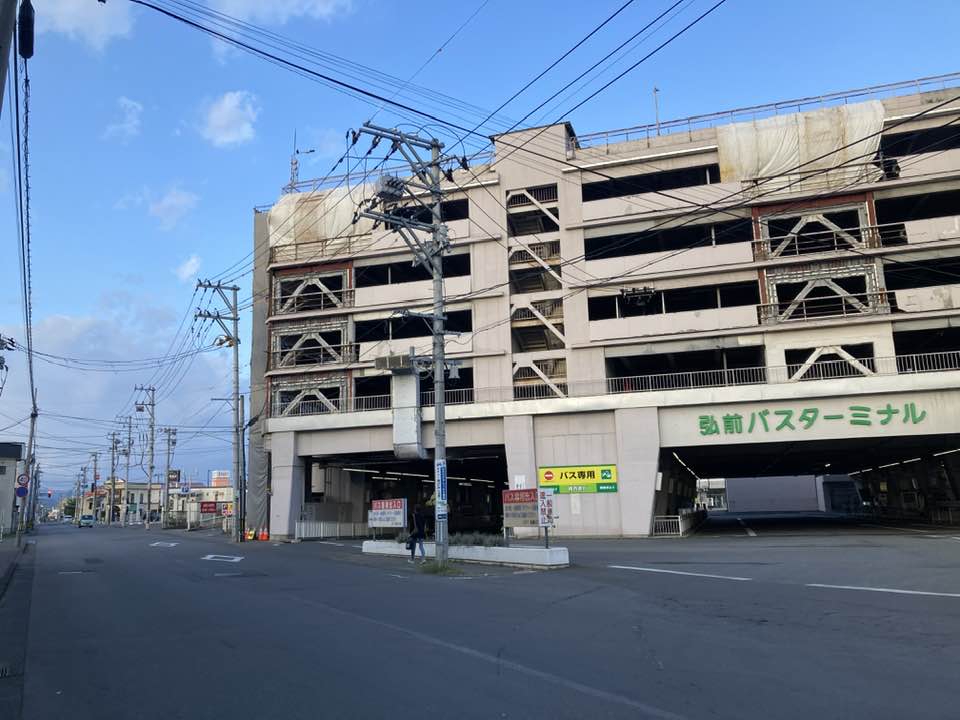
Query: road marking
{"points": [[163, 544], [678, 572], [884, 590], [236, 574], [223, 558], [357, 546], [503, 664], [327, 542], [524, 572], [402, 577], [750, 532], [894, 527], [70, 572]]}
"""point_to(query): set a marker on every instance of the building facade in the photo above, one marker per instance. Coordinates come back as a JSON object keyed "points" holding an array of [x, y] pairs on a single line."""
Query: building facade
{"points": [[752, 293], [11, 463]]}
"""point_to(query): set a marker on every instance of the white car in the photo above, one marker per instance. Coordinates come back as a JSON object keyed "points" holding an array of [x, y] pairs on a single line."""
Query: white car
{"points": [[86, 521]]}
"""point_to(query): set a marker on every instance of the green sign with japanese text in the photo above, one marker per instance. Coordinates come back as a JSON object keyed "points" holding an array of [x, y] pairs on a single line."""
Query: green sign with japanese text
{"points": [[763, 421]]}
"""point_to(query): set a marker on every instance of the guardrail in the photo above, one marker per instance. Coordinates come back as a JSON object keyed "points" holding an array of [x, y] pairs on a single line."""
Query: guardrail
{"points": [[822, 241], [455, 396], [945, 361], [824, 307], [678, 525], [333, 355], [318, 300]]}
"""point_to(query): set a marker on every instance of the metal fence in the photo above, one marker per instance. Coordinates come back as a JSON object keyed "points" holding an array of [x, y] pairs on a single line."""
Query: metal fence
{"points": [[314, 300], [666, 526], [820, 370], [319, 529]]}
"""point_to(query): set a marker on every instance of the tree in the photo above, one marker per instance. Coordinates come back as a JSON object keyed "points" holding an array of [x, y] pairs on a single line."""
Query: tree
{"points": [[69, 506]]}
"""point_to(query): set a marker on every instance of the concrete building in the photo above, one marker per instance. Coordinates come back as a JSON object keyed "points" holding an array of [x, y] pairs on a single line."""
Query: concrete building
{"points": [[763, 292], [11, 461], [219, 478]]}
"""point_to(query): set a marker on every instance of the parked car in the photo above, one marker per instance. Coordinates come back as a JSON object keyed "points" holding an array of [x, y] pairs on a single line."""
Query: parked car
{"points": [[86, 521]]}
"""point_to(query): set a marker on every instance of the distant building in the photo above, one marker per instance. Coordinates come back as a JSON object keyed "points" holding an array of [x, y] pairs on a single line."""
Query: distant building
{"points": [[220, 478]]}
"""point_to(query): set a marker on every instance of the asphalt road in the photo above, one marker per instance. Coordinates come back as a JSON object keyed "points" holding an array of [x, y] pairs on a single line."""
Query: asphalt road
{"points": [[740, 626]]}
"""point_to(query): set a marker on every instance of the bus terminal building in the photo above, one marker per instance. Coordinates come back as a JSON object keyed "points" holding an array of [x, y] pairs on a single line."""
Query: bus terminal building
{"points": [[758, 293]]}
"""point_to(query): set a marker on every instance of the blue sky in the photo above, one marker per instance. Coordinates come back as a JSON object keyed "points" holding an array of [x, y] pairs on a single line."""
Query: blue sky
{"points": [[150, 146]]}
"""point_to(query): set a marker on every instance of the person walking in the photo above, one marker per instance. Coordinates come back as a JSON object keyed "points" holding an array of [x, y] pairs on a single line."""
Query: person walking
{"points": [[418, 532]]}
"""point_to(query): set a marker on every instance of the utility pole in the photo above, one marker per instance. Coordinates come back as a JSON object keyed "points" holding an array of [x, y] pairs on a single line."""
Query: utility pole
{"points": [[171, 434], [78, 495], [83, 484], [25, 504], [231, 336], [240, 501], [429, 254], [114, 442], [96, 459], [149, 406], [126, 479]]}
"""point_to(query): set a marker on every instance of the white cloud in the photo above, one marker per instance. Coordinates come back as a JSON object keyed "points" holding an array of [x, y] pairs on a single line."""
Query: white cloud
{"points": [[188, 268], [172, 207], [90, 22], [229, 119], [123, 326], [128, 125], [279, 12]]}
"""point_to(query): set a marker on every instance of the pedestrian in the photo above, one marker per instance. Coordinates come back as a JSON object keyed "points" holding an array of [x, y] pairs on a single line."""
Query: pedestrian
{"points": [[418, 531]]}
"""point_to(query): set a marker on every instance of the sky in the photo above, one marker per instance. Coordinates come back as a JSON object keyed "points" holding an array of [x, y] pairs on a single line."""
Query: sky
{"points": [[151, 143]]}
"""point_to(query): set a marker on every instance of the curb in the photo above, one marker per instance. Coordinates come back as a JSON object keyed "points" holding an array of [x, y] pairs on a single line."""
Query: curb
{"points": [[8, 574]]}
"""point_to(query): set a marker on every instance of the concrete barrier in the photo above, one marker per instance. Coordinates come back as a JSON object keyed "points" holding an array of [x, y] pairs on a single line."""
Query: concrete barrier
{"points": [[517, 556]]}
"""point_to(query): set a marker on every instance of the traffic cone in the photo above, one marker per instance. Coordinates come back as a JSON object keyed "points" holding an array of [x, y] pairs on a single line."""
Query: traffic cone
{"points": [[264, 535]]}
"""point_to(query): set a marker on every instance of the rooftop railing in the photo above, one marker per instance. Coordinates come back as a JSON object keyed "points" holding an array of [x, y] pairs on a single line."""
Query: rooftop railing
{"points": [[756, 112]]}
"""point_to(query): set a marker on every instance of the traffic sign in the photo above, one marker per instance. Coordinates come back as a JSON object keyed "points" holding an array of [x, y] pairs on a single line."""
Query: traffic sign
{"points": [[548, 475], [23, 480], [21, 491]]}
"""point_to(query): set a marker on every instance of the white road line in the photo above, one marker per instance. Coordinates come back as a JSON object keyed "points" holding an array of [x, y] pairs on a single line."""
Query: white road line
{"points": [[883, 590], [678, 572], [750, 532], [70, 572], [357, 546], [160, 543], [236, 574], [326, 542], [893, 527], [223, 558]]}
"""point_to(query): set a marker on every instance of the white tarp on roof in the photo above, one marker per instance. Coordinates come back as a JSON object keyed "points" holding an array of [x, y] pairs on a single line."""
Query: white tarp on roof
{"points": [[302, 217], [777, 145]]}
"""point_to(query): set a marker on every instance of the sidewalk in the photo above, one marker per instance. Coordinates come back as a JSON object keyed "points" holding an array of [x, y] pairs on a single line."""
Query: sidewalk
{"points": [[9, 554]]}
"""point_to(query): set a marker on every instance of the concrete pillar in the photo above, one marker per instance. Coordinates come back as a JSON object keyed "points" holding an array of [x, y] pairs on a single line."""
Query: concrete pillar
{"points": [[638, 459], [287, 478], [521, 451]]}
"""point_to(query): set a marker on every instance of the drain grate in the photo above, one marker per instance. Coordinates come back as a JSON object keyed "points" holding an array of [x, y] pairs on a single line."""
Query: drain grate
{"points": [[4, 671]]}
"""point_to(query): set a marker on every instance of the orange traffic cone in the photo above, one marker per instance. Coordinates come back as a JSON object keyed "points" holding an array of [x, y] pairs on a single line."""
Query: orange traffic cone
{"points": [[264, 535]]}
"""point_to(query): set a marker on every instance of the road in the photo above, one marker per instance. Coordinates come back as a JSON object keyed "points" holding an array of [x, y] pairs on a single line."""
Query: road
{"points": [[111, 624]]}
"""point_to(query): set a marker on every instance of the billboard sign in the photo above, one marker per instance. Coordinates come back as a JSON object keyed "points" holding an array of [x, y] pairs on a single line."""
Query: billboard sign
{"points": [[388, 513], [208, 508], [173, 477], [545, 516], [520, 508], [573, 479]]}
